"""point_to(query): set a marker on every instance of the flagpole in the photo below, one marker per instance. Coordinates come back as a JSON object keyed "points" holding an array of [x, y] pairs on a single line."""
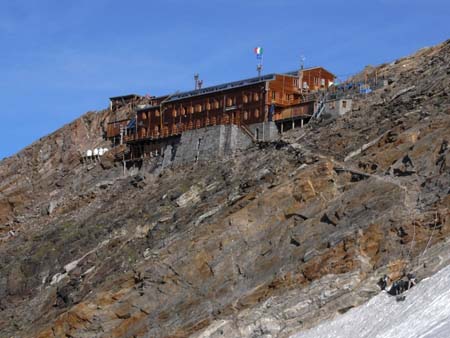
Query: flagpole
{"points": [[259, 56]]}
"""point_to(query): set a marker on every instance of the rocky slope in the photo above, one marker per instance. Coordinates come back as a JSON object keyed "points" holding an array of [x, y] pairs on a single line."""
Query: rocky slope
{"points": [[264, 244]]}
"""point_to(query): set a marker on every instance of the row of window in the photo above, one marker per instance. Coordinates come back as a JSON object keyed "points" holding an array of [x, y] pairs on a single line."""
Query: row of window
{"points": [[230, 101], [287, 97], [246, 115], [319, 80]]}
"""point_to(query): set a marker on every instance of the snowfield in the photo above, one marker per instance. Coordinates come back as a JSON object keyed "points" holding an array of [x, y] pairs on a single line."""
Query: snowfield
{"points": [[425, 313]]}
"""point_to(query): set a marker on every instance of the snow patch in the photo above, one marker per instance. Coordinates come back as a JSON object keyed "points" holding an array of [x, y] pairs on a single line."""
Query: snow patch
{"points": [[425, 313]]}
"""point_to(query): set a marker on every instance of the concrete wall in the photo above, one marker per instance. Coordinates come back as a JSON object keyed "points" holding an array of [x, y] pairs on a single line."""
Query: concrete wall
{"points": [[265, 131], [209, 143], [214, 142], [336, 107]]}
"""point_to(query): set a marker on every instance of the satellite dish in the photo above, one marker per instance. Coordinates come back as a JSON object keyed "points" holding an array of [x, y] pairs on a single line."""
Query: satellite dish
{"points": [[89, 153], [105, 150], [101, 151], [96, 152]]}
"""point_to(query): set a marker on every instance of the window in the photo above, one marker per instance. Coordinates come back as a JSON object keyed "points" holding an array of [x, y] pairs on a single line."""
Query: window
{"points": [[296, 82], [255, 97], [256, 113], [245, 115], [216, 104], [144, 116], [174, 112], [288, 97], [157, 113], [229, 101], [182, 110], [198, 108], [244, 98], [191, 110], [208, 106], [274, 95], [344, 104]]}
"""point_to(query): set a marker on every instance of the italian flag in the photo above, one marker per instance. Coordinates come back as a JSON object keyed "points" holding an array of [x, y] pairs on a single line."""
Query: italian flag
{"points": [[258, 50]]}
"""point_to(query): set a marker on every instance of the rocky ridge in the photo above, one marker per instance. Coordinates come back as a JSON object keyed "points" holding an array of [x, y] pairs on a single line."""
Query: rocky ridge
{"points": [[262, 244]]}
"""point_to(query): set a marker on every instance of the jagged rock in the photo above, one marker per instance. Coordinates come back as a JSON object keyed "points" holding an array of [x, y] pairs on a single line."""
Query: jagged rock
{"points": [[190, 197], [51, 207], [138, 181], [211, 251], [104, 184]]}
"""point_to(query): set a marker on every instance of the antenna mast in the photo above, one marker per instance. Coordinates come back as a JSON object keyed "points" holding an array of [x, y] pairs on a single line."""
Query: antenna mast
{"points": [[198, 82], [300, 72]]}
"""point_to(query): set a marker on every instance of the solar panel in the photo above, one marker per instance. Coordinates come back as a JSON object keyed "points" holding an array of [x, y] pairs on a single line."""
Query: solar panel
{"points": [[228, 85]]}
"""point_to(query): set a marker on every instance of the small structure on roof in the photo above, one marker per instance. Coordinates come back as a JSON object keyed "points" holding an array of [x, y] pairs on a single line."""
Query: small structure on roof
{"points": [[118, 102]]}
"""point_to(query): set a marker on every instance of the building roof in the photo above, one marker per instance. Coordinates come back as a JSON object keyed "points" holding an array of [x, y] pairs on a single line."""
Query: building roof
{"points": [[232, 85], [217, 88], [221, 87], [124, 97]]}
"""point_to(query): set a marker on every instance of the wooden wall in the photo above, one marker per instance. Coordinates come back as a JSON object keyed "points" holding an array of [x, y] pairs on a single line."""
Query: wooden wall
{"points": [[283, 91], [245, 105], [317, 78]]}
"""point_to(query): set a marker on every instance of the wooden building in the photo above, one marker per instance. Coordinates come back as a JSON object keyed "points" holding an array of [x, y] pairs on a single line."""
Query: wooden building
{"points": [[273, 97]]}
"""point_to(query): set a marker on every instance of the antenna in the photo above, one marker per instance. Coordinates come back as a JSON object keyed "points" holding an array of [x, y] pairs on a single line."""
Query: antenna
{"points": [[302, 61], [259, 69], [196, 80], [300, 72]]}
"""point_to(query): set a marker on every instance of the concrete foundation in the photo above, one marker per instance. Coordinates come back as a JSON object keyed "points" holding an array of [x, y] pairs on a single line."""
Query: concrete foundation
{"points": [[209, 143], [265, 131]]}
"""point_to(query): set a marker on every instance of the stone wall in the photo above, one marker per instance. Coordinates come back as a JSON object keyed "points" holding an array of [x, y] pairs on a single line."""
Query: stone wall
{"points": [[265, 131], [338, 107], [210, 143]]}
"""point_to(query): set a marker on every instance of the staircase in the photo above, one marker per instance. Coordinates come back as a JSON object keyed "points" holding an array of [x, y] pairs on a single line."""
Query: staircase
{"points": [[320, 107], [249, 133]]}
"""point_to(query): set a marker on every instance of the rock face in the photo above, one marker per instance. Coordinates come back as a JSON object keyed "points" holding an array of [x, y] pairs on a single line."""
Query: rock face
{"points": [[265, 243]]}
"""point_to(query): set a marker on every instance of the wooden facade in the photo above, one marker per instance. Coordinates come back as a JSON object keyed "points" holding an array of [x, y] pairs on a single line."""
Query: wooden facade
{"points": [[267, 98], [113, 129], [243, 105], [317, 78]]}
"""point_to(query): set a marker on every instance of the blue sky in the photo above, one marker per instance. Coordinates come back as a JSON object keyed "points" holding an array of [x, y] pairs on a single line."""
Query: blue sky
{"points": [[61, 58]]}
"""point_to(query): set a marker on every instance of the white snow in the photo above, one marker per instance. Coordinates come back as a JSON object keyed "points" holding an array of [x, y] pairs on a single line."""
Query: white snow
{"points": [[425, 313]]}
